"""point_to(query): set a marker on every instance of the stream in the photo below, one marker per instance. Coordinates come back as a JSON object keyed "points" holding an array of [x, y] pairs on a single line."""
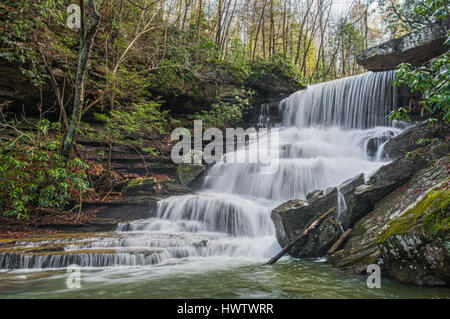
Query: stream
{"points": [[213, 243]]}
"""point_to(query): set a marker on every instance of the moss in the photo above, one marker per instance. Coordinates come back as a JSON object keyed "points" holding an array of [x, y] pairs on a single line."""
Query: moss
{"points": [[430, 215], [359, 228], [187, 168], [46, 246], [71, 252], [140, 182]]}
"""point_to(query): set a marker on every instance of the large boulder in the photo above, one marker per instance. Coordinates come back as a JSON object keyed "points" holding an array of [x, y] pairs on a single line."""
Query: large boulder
{"points": [[384, 181], [406, 233], [190, 168], [319, 241], [292, 217], [408, 140], [416, 245], [415, 48]]}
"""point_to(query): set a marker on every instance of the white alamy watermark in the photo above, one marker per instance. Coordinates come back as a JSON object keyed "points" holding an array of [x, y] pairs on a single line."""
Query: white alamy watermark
{"points": [[241, 146], [374, 278], [74, 19], [73, 280]]}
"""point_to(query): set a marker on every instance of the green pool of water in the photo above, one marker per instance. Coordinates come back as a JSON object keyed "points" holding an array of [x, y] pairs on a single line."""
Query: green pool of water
{"points": [[202, 279]]}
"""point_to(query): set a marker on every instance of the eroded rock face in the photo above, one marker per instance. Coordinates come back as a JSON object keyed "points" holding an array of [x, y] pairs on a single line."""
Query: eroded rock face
{"points": [[407, 141], [398, 235], [416, 245], [294, 216], [270, 85], [415, 48], [384, 181]]}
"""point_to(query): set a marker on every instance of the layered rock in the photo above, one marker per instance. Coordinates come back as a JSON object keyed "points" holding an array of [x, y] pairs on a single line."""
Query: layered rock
{"points": [[408, 140], [415, 48], [361, 197], [407, 232], [294, 216], [384, 181], [415, 245]]}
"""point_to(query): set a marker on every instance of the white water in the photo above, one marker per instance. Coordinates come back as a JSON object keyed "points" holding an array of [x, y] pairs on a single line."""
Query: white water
{"points": [[322, 142]]}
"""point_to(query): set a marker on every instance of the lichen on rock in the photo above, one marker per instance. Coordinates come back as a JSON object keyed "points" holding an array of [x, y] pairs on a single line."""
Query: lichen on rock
{"points": [[415, 245], [407, 232]]}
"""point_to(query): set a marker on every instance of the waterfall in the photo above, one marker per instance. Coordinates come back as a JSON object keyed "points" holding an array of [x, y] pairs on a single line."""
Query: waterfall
{"points": [[325, 134], [359, 102], [341, 204], [264, 116]]}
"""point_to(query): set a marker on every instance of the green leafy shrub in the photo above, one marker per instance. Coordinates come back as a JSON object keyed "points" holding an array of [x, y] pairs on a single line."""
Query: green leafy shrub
{"points": [[130, 125], [24, 20], [223, 114], [34, 176], [432, 82], [278, 65]]}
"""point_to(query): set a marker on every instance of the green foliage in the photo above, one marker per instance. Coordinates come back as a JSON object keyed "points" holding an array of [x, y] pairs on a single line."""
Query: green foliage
{"points": [[409, 15], [432, 82], [278, 65], [129, 125], [350, 35], [34, 175], [223, 114], [187, 69], [24, 19], [236, 63]]}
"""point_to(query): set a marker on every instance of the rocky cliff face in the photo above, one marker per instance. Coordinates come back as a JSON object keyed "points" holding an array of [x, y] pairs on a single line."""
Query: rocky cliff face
{"points": [[415, 48], [407, 232], [18, 93]]}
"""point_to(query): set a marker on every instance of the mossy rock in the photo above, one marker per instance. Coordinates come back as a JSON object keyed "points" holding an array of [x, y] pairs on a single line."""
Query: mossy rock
{"points": [[416, 245], [406, 232], [140, 185], [429, 216], [190, 168], [187, 173]]}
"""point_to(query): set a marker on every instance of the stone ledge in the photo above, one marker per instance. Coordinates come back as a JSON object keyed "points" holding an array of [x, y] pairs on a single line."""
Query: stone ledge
{"points": [[415, 48]]}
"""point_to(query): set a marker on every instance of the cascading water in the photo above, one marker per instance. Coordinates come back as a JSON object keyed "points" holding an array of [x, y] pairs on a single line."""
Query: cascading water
{"points": [[264, 116], [323, 141]]}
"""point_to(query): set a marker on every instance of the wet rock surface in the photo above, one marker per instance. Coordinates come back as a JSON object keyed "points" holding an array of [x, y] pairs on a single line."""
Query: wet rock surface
{"points": [[415, 245], [319, 240], [294, 216], [415, 48], [384, 181], [398, 239], [190, 168], [408, 140]]}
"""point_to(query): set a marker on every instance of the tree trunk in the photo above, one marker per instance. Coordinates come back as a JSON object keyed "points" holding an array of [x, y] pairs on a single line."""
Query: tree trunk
{"points": [[219, 23], [339, 242], [86, 41]]}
